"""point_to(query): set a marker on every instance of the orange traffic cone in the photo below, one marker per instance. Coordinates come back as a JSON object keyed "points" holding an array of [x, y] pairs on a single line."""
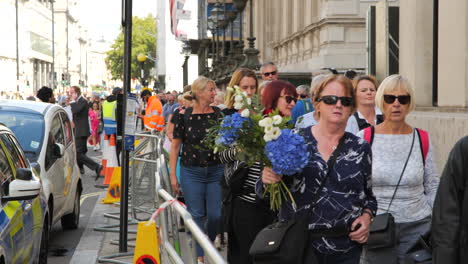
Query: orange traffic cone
{"points": [[105, 146], [112, 161]]}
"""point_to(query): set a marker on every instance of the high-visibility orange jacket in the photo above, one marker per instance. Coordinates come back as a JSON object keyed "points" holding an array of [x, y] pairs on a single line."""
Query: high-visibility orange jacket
{"points": [[154, 119]]}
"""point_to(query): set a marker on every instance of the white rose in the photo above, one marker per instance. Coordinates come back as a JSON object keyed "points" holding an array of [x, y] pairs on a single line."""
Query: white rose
{"points": [[236, 88], [249, 101], [268, 129], [267, 137], [238, 98], [275, 133], [277, 119], [245, 113], [229, 89], [266, 122], [238, 105], [245, 94]]}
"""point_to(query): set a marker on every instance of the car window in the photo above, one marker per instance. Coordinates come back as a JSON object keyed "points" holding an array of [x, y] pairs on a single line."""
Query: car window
{"points": [[22, 124], [6, 174], [49, 155], [20, 152], [67, 128], [57, 131], [16, 157]]}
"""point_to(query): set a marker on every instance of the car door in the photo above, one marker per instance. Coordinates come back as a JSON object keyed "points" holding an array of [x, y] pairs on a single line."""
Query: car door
{"points": [[55, 168], [12, 215], [69, 156]]}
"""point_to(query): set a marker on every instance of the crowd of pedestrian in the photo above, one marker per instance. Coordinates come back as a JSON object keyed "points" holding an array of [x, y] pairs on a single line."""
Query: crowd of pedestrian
{"points": [[365, 161]]}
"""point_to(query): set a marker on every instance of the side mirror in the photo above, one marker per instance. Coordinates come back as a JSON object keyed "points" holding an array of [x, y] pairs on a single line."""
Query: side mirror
{"points": [[36, 167], [23, 174], [58, 150], [22, 190]]}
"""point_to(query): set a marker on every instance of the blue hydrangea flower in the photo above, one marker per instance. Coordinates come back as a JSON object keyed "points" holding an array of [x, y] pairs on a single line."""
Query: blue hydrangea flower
{"points": [[230, 128], [288, 153]]}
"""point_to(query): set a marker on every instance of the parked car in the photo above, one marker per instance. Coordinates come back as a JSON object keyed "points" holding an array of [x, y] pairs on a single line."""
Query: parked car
{"points": [[45, 133], [24, 219]]}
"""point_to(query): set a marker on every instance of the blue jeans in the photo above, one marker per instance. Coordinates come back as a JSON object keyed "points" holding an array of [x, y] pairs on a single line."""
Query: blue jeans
{"points": [[202, 193]]}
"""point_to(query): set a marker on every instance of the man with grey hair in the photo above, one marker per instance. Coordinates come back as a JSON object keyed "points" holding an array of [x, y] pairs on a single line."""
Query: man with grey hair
{"points": [[269, 71]]}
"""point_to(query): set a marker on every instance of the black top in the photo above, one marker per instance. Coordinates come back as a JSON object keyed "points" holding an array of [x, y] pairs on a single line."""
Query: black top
{"points": [[192, 129], [362, 123]]}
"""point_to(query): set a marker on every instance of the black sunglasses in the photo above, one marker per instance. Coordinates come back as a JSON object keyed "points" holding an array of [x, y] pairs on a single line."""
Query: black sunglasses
{"points": [[266, 74], [289, 99], [402, 99], [333, 99], [303, 96]]}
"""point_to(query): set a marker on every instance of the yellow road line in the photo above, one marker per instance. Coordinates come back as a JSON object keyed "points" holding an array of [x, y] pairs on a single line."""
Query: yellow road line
{"points": [[86, 196]]}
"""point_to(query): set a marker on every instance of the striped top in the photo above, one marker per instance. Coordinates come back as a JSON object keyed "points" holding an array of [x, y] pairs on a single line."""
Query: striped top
{"points": [[254, 173]]}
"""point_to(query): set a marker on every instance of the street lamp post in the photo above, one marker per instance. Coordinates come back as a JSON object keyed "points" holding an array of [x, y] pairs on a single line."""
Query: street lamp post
{"points": [[53, 44], [17, 48], [186, 52], [142, 58], [251, 53]]}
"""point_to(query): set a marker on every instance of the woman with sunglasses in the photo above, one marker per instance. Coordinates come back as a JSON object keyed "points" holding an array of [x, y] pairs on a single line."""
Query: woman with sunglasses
{"points": [[406, 191], [336, 180], [311, 119], [279, 95], [243, 214], [367, 114]]}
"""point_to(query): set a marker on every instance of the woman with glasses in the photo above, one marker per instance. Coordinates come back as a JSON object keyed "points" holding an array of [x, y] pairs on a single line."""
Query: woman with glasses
{"points": [[311, 119], [367, 114], [336, 180], [404, 175], [279, 95]]}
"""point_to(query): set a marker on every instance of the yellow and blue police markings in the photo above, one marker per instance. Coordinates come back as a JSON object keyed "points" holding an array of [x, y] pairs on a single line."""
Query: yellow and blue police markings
{"points": [[21, 225]]}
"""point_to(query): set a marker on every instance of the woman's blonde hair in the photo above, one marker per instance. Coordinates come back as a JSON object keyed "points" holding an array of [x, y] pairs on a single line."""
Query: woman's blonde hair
{"points": [[236, 78], [390, 84], [199, 85]]}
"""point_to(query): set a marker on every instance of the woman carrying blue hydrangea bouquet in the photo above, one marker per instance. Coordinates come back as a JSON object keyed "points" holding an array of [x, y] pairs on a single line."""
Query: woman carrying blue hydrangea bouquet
{"points": [[337, 179], [246, 215]]}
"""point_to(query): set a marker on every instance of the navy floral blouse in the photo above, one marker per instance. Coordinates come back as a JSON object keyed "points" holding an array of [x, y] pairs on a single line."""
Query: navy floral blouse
{"points": [[346, 192]]}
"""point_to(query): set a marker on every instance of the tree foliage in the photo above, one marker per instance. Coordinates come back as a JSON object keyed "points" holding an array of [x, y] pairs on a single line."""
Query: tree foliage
{"points": [[143, 42]]}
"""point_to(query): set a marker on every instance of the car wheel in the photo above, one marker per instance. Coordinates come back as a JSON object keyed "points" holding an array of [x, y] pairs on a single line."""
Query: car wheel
{"points": [[72, 220], [44, 249]]}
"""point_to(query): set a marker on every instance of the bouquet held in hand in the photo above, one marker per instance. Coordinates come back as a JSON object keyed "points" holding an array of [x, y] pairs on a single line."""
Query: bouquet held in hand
{"points": [[267, 139]]}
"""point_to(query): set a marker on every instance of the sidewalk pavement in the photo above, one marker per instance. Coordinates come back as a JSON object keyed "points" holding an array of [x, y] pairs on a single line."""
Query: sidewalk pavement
{"points": [[95, 244]]}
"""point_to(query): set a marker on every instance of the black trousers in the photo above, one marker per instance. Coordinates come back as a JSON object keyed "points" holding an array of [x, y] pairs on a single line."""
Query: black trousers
{"points": [[247, 220], [82, 159]]}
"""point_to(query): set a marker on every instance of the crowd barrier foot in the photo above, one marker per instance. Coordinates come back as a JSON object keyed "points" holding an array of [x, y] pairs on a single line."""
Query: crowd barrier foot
{"points": [[112, 258]]}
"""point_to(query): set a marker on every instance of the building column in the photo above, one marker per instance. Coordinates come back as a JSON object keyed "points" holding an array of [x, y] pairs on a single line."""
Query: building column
{"points": [[453, 53], [416, 42]]}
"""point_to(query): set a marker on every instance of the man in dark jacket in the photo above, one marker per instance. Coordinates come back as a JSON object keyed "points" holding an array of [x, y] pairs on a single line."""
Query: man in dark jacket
{"points": [[79, 108], [450, 216]]}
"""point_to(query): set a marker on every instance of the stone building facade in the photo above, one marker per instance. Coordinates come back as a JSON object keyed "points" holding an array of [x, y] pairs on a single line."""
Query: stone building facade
{"points": [[304, 36]]}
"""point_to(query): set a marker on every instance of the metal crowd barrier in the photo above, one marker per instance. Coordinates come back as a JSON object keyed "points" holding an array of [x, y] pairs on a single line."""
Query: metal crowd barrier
{"points": [[150, 183]]}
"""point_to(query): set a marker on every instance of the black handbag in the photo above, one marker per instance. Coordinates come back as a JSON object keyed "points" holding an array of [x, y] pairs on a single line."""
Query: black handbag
{"points": [[382, 229], [286, 241]]}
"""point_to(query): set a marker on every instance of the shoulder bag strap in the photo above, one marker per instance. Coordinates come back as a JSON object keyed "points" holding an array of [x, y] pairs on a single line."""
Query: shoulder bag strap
{"points": [[402, 172], [330, 164]]}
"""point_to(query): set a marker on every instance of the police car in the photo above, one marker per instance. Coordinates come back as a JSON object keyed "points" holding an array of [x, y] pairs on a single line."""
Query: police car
{"points": [[24, 219], [45, 133]]}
